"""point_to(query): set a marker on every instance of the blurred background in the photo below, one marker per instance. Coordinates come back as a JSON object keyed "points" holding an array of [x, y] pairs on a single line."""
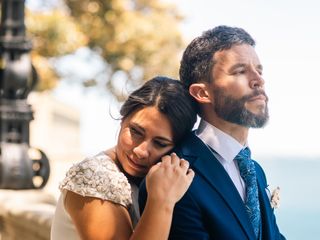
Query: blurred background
{"points": [[90, 54]]}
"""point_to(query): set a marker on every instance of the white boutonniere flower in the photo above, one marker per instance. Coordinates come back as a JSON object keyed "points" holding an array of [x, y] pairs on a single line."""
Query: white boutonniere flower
{"points": [[275, 198]]}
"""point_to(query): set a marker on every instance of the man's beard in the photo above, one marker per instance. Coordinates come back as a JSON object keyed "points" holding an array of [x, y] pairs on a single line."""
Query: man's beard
{"points": [[234, 110]]}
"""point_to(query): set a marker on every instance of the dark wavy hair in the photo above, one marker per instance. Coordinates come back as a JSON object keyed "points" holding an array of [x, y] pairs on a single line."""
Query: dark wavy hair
{"points": [[171, 99], [197, 61]]}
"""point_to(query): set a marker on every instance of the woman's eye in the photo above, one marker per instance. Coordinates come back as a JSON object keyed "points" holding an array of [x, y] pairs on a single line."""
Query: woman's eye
{"points": [[160, 144], [134, 131]]}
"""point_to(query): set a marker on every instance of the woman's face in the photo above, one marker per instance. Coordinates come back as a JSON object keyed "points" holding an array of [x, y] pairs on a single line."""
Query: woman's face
{"points": [[145, 136]]}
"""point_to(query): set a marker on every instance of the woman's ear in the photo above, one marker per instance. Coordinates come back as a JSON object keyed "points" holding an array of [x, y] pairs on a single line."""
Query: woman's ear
{"points": [[121, 122], [199, 92]]}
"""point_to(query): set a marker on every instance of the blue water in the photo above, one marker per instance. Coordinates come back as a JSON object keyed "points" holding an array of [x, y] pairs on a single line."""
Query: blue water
{"points": [[299, 179]]}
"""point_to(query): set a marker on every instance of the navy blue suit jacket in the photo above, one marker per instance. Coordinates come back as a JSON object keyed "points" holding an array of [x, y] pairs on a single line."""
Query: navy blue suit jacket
{"points": [[212, 207]]}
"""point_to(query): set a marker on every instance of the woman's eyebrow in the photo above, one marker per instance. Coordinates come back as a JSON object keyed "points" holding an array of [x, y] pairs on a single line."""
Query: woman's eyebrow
{"points": [[136, 125], [170, 141], [140, 128], [166, 140]]}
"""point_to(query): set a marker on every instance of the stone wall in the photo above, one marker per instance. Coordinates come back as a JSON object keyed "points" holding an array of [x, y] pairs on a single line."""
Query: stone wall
{"points": [[26, 214]]}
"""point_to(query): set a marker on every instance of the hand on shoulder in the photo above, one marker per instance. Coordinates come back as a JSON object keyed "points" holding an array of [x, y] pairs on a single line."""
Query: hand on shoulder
{"points": [[168, 180]]}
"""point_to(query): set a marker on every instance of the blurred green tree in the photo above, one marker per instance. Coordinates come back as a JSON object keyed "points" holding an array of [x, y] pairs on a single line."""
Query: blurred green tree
{"points": [[53, 34], [137, 38]]}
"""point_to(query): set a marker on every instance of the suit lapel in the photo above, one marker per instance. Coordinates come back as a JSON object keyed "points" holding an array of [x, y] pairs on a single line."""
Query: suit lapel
{"points": [[264, 205], [206, 165]]}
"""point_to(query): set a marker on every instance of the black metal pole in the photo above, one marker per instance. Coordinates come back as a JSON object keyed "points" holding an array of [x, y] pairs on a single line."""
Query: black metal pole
{"points": [[18, 168]]}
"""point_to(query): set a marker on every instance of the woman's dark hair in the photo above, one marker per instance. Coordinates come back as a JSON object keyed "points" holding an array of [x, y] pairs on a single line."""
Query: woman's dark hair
{"points": [[171, 99]]}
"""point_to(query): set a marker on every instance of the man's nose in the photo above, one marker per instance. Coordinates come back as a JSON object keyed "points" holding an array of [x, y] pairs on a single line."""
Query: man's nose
{"points": [[256, 80], [141, 150]]}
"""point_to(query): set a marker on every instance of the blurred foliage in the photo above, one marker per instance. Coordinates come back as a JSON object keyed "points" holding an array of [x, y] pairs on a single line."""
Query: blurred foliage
{"points": [[139, 38], [53, 34]]}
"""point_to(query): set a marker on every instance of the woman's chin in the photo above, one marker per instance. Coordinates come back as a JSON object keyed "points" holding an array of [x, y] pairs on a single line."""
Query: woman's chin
{"points": [[134, 172]]}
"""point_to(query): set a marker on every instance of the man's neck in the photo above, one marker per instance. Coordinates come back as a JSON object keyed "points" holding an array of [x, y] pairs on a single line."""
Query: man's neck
{"points": [[236, 131]]}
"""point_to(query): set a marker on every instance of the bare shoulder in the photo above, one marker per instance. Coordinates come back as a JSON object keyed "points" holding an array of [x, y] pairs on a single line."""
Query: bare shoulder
{"points": [[98, 177], [91, 216]]}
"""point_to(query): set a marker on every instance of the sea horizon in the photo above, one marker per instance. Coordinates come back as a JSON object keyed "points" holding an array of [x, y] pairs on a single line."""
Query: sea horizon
{"points": [[298, 179]]}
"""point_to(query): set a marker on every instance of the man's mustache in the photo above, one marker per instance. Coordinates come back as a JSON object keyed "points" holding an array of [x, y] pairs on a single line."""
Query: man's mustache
{"points": [[255, 93]]}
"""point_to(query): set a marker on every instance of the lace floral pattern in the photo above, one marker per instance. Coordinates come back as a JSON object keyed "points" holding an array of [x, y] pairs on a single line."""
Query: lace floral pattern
{"points": [[98, 177]]}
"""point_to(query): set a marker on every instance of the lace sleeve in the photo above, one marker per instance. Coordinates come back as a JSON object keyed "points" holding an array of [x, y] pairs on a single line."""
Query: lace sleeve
{"points": [[98, 177]]}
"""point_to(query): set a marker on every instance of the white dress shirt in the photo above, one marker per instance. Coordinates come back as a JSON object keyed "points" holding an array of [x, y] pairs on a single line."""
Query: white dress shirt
{"points": [[226, 149]]}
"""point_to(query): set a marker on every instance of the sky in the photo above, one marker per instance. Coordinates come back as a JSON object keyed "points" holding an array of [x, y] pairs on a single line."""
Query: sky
{"points": [[287, 37]]}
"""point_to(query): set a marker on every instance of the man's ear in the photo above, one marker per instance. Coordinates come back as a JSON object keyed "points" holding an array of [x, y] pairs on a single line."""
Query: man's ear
{"points": [[199, 92]]}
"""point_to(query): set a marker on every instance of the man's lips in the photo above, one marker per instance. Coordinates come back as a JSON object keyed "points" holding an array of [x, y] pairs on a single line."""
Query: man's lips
{"points": [[260, 97]]}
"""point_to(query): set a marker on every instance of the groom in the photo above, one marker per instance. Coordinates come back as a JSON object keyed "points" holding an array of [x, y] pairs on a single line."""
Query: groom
{"points": [[227, 199]]}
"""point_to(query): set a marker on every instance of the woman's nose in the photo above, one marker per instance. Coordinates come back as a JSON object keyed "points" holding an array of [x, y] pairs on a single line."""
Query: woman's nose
{"points": [[141, 150]]}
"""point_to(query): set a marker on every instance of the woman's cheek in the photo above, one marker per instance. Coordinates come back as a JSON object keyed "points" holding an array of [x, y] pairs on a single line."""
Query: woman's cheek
{"points": [[126, 139]]}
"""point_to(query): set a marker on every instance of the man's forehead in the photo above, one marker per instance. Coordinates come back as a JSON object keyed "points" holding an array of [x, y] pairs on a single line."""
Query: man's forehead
{"points": [[237, 54]]}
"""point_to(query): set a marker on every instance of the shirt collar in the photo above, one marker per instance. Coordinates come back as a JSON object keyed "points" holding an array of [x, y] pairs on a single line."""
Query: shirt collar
{"points": [[225, 145]]}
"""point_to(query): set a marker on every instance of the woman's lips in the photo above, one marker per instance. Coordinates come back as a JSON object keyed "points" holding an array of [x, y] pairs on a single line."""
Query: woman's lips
{"points": [[135, 164]]}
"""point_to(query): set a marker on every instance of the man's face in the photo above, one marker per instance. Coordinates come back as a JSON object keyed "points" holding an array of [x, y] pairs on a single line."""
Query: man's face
{"points": [[237, 89]]}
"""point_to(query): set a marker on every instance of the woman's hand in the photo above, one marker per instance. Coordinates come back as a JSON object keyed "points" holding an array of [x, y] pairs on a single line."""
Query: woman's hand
{"points": [[166, 183], [168, 180]]}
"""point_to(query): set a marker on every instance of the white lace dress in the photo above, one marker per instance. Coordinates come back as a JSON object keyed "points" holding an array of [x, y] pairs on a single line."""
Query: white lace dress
{"points": [[98, 177]]}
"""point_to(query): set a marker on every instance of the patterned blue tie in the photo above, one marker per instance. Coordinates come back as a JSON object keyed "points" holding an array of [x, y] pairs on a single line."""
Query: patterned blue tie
{"points": [[248, 174]]}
